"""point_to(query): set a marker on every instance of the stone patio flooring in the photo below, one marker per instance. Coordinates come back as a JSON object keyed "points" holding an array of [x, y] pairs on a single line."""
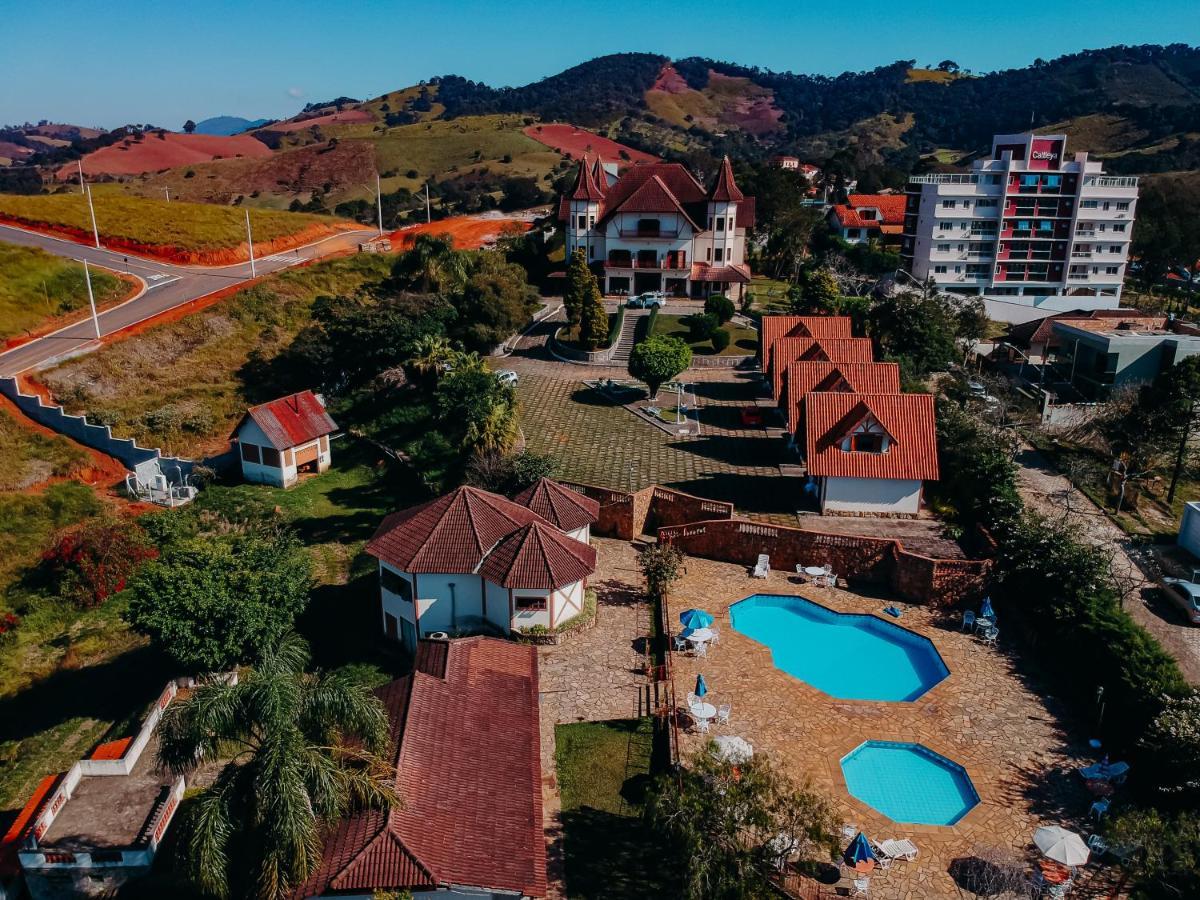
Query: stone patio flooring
{"points": [[985, 715]]}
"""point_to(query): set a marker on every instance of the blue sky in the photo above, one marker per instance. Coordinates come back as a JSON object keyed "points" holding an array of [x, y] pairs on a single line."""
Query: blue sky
{"points": [[164, 62]]}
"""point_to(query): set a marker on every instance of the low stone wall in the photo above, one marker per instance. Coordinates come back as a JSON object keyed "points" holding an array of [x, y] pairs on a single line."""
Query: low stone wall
{"points": [[670, 507], [626, 515], [722, 362], [592, 358], [616, 510]]}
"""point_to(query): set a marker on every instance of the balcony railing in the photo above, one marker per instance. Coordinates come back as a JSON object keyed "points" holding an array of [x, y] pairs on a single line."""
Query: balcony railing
{"points": [[943, 178], [649, 233], [665, 264], [1125, 181]]}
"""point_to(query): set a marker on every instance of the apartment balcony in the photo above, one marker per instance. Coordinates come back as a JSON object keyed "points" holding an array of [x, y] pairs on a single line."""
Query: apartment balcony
{"points": [[1081, 254], [662, 265], [649, 234]]}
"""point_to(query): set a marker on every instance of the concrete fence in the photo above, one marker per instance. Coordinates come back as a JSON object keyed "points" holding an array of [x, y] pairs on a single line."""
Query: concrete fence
{"points": [[90, 434]]}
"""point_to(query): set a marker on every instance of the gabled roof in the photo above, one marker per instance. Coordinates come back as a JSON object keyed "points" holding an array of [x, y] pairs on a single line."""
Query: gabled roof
{"points": [[725, 189], [890, 206], [788, 350], [737, 273], [907, 418], [466, 748], [450, 534], [807, 376], [1041, 331], [288, 421], [560, 506], [585, 183], [651, 196], [772, 328], [538, 556]]}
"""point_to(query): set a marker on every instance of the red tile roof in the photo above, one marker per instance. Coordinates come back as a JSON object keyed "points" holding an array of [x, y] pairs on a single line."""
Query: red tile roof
{"points": [[806, 376], [725, 189], [585, 184], [538, 556], [11, 842], [291, 420], [907, 418], [788, 350], [653, 196], [559, 505], [451, 534], [468, 767], [772, 328], [737, 273], [890, 206]]}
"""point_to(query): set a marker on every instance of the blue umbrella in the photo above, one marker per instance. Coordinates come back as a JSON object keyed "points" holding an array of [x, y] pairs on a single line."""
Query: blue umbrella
{"points": [[695, 618], [859, 855], [986, 610], [701, 686]]}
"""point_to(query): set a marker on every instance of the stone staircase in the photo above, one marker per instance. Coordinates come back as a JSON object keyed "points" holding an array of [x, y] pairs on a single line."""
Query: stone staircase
{"points": [[625, 339]]}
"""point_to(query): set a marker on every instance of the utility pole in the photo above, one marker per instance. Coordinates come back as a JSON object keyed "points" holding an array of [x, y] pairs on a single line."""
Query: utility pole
{"points": [[379, 203], [81, 188], [427, 216], [167, 191], [250, 241], [92, 210], [87, 275]]}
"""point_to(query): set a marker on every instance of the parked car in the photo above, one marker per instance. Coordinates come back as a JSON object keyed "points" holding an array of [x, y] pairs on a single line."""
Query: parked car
{"points": [[508, 376], [650, 300], [977, 388], [1185, 595]]}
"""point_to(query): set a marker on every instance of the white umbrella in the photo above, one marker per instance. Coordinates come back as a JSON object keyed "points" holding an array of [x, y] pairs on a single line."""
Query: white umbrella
{"points": [[1062, 846], [733, 749]]}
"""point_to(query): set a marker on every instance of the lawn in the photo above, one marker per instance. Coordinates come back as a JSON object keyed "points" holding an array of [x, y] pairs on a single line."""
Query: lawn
{"points": [[603, 773], [183, 385], [743, 341], [35, 286], [154, 223], [32, 457], [770, 295]]}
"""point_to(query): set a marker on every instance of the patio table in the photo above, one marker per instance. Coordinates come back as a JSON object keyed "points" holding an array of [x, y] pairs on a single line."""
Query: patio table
{"points": [[700, 635], [703, 710], [814, 571]]}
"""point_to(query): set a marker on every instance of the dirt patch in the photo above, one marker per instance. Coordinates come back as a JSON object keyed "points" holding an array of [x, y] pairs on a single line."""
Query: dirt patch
{"points": [[575, 142], [225, 256], [101, 470], [153, 153], [670, 81], [345, 117], [133, 286], [468, 232]]}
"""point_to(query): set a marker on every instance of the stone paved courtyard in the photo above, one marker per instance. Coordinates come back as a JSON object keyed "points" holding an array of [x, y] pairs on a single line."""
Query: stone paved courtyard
{"points": [[986, 715]]}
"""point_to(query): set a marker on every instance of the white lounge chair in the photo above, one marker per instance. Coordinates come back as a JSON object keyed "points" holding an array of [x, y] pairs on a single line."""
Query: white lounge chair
{"points": [[763, 567], [898, 849]]}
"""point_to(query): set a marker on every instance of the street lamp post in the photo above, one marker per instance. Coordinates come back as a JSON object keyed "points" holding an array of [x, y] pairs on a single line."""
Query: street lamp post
{"points": [[92, 210], [87, 275], [250, 241]]}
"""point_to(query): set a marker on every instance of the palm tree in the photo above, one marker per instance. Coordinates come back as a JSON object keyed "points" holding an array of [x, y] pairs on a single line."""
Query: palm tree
{"points": [[431, 354], [300, 750], [433, 264]]}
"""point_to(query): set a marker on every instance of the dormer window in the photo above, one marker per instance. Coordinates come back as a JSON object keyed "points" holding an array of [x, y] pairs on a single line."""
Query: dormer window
{"points": [[865, 442]]}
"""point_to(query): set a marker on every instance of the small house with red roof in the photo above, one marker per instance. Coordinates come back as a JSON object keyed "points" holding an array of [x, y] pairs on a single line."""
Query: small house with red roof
{"points": [[472, 560], [870, 454], [277, 442], [772, 328], [465, 744], [808, 376], [657, 228], [866, 217]]}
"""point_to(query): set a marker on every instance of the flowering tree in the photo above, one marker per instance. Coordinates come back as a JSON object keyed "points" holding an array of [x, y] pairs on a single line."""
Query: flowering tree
{"points": [[91, 562]]}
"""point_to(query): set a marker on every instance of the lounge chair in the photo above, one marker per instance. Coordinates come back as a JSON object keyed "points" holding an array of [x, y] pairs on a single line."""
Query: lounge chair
{"points": [[763, 567], [897, 849]]}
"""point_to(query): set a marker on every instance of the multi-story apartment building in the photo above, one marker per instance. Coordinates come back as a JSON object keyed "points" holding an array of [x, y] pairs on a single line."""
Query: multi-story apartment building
{"points": [[1026, 229], [656, 228]]}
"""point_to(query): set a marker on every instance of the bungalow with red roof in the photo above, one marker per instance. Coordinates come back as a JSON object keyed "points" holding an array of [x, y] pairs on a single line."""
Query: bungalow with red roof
{"points": [[870, 454], [866, 217], [772, 328], [465, 744], [657, 228], [279, 441], [473, 559], [807, 376], [788, 350]]}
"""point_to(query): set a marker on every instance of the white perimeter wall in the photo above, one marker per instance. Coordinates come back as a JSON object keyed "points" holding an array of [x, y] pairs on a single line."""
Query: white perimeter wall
{"points": [[871, 495]]}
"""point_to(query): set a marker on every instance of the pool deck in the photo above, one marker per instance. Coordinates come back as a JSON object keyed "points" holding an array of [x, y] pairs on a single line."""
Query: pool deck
{"points": [[986, 716]]}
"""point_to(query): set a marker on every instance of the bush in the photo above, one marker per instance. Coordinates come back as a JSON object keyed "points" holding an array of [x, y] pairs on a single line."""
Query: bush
{"points": [[91, 562], [658, 359], [720, 306], [720, 339], [700, 326]]}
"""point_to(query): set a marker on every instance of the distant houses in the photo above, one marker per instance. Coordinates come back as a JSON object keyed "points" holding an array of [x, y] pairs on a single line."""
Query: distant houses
{"points": [[867, 217], [279, 441]]}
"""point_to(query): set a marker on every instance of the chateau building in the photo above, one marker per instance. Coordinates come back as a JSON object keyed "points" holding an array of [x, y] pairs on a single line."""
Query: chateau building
{"points": [[656, 228]]}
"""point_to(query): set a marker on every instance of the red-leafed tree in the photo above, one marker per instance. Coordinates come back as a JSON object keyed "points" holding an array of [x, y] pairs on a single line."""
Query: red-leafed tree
{"points": [[92, 561]]}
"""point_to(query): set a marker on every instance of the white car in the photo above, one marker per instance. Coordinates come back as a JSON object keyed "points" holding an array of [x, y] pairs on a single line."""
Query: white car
{"points": [[508, 376], [1185, 595]]}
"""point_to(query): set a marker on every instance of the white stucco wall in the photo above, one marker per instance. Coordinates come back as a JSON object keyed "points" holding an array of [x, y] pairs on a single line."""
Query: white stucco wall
{"points": [[568, 602], [497, 605], [583, 535], [434, 606], [529, 618], [285, 474], [871, 495]]}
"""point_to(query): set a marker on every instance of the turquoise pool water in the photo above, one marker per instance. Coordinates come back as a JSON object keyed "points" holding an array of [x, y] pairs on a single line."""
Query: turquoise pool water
{"points": [[909, 783], [848, 656]]}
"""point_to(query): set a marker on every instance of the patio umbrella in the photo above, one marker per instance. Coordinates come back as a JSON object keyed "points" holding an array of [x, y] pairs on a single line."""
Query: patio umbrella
{"points": [[859, 855], [986, 610], [701, 686], [732, 748], [1062, 846], [695, 618]]}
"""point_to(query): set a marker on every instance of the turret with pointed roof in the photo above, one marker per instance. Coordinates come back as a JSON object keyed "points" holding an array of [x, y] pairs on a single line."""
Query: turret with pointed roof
{"points": [[585, 184], [725, 189]]}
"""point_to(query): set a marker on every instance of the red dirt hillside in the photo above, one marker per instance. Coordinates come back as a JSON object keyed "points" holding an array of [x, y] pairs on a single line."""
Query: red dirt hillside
{"points": [[154, 153], [575, 142], [467, 232]]}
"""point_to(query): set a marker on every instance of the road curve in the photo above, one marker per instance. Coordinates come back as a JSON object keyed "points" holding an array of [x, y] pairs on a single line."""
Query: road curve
{"points": [[167, 286]]}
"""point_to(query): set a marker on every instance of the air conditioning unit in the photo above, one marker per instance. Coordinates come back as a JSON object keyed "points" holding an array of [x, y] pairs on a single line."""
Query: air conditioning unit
{"points": [[438, 636]]}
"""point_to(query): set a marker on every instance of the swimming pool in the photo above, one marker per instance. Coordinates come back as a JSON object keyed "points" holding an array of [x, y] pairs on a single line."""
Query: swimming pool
{"points": [[846, 655], [909, 783]]}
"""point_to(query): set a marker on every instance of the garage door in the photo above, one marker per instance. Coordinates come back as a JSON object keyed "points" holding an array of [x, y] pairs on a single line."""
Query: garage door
{"points": [[306, 454]]}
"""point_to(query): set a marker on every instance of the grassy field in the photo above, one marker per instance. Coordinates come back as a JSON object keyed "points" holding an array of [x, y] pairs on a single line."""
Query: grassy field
{"points": [[155, 223], [182, 385], [31, 457], [743, 341], [603, 771], [871, 136], [36, 286]]}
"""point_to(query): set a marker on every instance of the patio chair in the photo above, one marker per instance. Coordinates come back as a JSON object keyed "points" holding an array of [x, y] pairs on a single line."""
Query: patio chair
{"points": [[989, 637], [800, 576], [692, 699], [861, 887], [849, 830], [1098, 809], [762, 568], [723, 712], [702, 649], [898, 849], [680, 643], [716, 634], [702, 726], [1097, 844], [968, 621]]}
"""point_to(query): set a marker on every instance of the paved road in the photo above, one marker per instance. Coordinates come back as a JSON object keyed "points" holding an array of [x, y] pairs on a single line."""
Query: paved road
{"points": [[166, 286]]}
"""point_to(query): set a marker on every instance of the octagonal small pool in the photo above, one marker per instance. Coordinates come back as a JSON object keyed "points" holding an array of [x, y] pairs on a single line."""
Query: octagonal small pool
{"points": [[847, 655], [909, 783]]}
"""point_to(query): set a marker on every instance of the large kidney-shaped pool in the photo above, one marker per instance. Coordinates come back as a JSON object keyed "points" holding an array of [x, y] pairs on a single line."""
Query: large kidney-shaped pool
{"points": [[909, 783], [846, 655]]}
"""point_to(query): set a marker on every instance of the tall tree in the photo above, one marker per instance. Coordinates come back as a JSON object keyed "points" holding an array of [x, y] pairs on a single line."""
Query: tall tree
{"points": [[189, 126], [593, 317], [1176, 395], [657, 360], [431, 265], [580, 280], [299, 751], [1167, 234]]}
